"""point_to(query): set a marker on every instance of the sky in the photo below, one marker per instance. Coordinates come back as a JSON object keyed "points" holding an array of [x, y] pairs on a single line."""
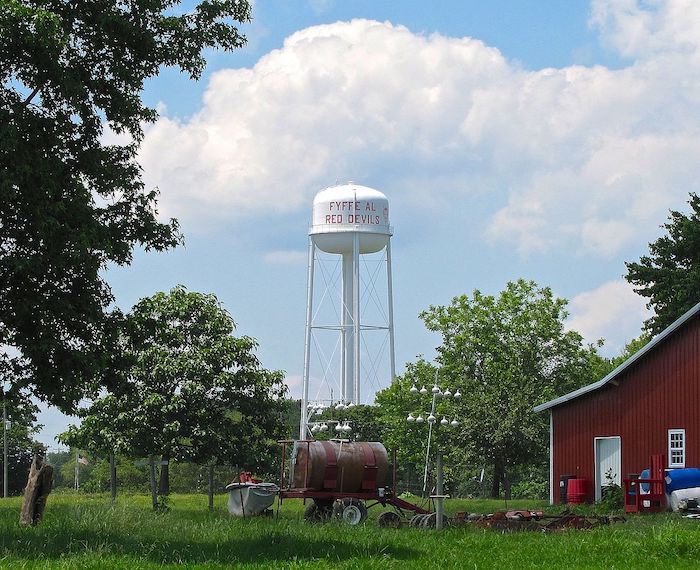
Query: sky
{"points": [[545, 140]]}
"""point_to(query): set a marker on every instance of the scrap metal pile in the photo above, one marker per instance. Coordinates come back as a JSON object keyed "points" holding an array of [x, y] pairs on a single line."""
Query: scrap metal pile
{"points": [[517, 521]]}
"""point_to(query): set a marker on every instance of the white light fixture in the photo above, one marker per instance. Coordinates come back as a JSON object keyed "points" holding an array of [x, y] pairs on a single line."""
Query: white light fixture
{"points": [[413, 389], [340, 406], [338, 428], [443, 421], [410, 418], [419, 419], [458, 395], [324, 427], [435, 389], [431, 419], [319, 411], [315, 429], [454, 423], [447, 393], [423, 390], [347, 428], [350, 405]]}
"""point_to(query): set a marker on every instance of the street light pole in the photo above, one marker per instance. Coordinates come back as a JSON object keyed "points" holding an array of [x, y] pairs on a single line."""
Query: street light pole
{"points": [[430, 436], [431, 419]]}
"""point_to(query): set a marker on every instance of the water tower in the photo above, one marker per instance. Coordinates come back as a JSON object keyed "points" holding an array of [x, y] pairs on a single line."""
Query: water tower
{"points": [[349, 221]]}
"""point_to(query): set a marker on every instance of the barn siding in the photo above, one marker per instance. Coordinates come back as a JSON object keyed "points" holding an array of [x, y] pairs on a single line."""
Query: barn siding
{"points": [[657, 393]]}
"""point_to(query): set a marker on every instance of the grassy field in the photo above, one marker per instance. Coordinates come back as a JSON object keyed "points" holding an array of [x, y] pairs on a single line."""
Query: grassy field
{"points": [[86, 531]]}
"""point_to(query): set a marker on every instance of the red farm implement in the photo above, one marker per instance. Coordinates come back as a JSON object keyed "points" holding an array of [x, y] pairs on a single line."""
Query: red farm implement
{"points": [[342, 488]]}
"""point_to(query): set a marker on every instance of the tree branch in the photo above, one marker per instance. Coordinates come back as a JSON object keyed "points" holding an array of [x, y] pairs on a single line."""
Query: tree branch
{"points": [[32, 95]]}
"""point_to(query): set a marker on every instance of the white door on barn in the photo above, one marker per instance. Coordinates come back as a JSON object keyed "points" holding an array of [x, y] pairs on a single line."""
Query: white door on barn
{"points": [[607, 460]]}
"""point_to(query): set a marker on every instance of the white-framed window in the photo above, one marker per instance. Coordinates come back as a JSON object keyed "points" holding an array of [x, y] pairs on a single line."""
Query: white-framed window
{"points": [[676, 448]]}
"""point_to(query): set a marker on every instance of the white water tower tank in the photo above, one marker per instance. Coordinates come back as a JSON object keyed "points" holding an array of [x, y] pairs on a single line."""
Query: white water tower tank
{"points": [[341, 211]]}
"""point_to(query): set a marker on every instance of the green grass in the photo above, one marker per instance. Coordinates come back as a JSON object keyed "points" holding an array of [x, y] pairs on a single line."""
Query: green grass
{"points": [[86, 531]]}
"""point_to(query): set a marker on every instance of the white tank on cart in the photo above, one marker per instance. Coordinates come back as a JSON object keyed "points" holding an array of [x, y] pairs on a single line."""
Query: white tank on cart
{"points": [[340, 211]]}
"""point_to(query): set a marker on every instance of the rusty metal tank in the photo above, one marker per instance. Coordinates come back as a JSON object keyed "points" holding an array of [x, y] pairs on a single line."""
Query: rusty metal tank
{"points": [[349, 467]]}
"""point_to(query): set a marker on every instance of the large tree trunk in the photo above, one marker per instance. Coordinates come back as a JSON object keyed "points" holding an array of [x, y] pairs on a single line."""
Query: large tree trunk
{"points": [[497, 477], [164, 483], [36, 492]]}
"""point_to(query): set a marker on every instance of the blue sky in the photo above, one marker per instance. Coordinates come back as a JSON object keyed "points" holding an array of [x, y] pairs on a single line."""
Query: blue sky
{"points": [[544, 140]]}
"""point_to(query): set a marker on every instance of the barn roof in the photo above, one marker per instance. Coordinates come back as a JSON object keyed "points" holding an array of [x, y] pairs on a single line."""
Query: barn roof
{"points": [[658, 339]]}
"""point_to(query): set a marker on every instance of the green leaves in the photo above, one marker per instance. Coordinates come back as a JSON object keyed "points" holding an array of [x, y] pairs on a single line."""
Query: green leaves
{"points": [[69, 204], [190, 389], [505, 353], [670, 275]]}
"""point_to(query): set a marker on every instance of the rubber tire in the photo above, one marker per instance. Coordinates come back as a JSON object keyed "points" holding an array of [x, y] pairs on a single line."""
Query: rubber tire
{"points": [[311, 513], [352, 515], [389, 519], [315, 513], [341, 504]]}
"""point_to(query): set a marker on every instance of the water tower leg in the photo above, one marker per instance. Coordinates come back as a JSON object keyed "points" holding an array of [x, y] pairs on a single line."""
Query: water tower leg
{"points": [[390, 307], [307, 344], [356, 311], [347, 376]]}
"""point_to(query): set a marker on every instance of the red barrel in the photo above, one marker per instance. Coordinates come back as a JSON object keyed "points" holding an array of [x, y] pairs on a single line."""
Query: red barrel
{"points": [[577, 491], [349, 467]]}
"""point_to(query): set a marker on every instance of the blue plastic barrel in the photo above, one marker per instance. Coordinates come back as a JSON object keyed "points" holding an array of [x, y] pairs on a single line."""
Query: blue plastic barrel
{"points": [[682, 478]]}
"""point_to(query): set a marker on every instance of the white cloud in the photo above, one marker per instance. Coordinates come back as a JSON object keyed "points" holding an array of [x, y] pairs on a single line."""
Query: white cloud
{"points": [[582, 158], [612, 311], [643, 28], [286, 257]]}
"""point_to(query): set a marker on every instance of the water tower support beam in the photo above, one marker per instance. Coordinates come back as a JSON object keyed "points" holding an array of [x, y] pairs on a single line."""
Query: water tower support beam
{"points": [[303, 424], [390, 307], [356, 312], [347, 347]]}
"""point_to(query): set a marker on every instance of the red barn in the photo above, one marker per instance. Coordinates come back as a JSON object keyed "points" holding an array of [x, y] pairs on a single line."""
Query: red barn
{"points": [[647, 405]]}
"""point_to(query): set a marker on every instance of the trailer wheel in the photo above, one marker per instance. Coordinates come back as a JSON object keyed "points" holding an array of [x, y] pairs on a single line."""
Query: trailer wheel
{"points": [[350, 511], [315, 513], [389, 519]]}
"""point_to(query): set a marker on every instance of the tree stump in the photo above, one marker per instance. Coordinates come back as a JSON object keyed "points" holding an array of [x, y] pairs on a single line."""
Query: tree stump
{"points": [[36, 492]]}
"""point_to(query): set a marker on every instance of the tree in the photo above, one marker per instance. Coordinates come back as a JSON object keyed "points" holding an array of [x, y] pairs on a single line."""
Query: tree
{"points": [[191, 391], [69, 203], [506, 354], [670, 275], [394, 404], [21, 444]]}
